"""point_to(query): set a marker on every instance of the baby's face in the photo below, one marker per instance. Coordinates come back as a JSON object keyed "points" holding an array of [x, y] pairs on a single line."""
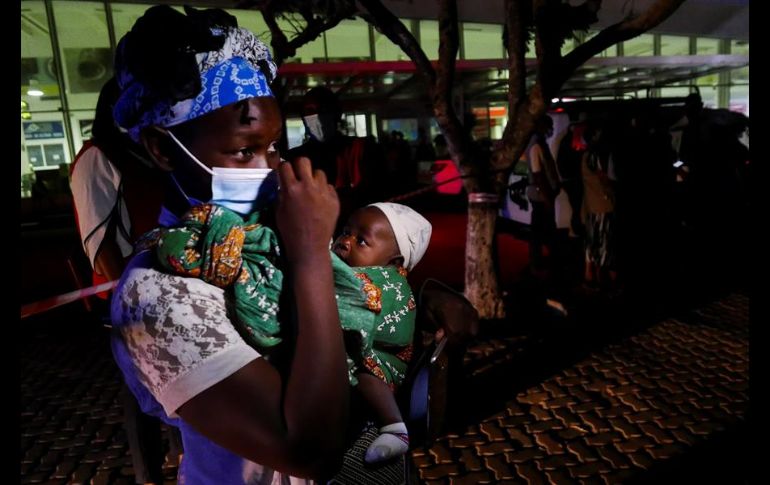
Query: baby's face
{"points": [[367, 239]]}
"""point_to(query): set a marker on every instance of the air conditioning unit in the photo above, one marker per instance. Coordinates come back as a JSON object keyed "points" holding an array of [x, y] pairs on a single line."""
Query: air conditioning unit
{"points": [[87, 68]]}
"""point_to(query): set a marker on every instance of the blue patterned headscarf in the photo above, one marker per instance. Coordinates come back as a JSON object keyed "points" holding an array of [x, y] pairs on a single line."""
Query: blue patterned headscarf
{"points": [[168, 78]]}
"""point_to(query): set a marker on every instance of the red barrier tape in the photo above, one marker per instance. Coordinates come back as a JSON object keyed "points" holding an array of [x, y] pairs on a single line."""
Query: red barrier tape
{"points": [[423, 190], [59, 300]]}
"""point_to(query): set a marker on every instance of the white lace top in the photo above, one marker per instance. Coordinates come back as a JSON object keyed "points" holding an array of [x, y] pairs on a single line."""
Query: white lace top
{"points": [[177, 333], [181, 342]]}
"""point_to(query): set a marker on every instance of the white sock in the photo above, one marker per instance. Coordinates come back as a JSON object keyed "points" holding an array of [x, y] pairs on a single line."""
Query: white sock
{"points": [[393, 441]]}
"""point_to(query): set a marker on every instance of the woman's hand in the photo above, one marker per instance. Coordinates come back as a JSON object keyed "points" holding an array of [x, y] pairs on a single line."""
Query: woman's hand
{"points": [[307, 210]]}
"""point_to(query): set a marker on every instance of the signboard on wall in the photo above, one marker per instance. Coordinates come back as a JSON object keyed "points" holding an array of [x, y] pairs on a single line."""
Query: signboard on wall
{"points": [[43, 130], [86, 128]]}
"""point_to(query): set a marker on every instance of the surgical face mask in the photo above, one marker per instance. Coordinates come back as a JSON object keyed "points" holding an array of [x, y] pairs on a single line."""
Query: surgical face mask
{"points": [[321, 126], [242, 190]]}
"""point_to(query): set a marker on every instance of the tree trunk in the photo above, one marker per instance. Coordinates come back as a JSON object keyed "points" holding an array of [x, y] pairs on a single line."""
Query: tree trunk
{"points": [[481, 287]]}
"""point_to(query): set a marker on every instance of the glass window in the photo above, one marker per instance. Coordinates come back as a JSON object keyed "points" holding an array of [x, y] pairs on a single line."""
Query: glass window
{"points": [[36, 159], [674, 45], [429, 38], [740, 47], [434, 129], [349, 41], [39, 77], [314, 51], [45, 142], [295, 132], [740, 76], [739, 99], [704, 46], [481, 122], [674, 92], [708, 93], [482, 41], [85, 51], [40, 101], [252, 20], [355, 124], [498, 118], [385, 50], [710, 80], [82, 121], [641, 45], [739, 90], [568, 46], [407, 126], [531, 53], [373, 127], [611, 51]]}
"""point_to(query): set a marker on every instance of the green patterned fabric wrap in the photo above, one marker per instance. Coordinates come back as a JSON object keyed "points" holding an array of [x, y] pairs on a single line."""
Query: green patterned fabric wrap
{"points": [[218, 246], [354, 312], [390, 297]]}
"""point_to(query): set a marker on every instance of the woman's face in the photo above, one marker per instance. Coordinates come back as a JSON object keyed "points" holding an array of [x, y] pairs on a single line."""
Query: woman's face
{"points": [[240, 135]]}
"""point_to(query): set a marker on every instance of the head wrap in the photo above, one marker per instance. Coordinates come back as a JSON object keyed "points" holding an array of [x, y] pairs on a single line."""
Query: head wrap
{"points": [[412, 231], [172, 68]]}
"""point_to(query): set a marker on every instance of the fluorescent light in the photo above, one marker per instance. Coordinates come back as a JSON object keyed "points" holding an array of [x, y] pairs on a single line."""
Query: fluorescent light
{"points": [[33, 89]]}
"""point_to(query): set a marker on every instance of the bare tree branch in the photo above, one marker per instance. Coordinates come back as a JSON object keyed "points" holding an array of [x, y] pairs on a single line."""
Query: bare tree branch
{"points": [[388, 24], [447, 50], [627, 29], [307, 12], [548, 19], [443, 107], [278, 40], [317, 27], [283, 48], [516, 12], [517, 15]]}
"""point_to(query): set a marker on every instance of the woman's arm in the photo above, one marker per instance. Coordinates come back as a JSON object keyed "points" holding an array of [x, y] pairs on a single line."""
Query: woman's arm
{"points": [[296, 427], [109, 260], [94, 185]]}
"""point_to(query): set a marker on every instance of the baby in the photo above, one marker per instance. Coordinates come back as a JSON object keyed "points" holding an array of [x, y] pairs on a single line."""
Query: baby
{"points": [[382, 242], [378, 245]]}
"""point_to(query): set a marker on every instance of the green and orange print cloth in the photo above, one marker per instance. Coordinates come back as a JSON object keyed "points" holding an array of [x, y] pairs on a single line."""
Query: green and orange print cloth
{"points": [[243, 256]]}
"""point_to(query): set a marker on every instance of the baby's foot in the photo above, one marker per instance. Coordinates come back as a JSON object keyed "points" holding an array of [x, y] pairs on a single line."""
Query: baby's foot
{"points": [[392, 442]]}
